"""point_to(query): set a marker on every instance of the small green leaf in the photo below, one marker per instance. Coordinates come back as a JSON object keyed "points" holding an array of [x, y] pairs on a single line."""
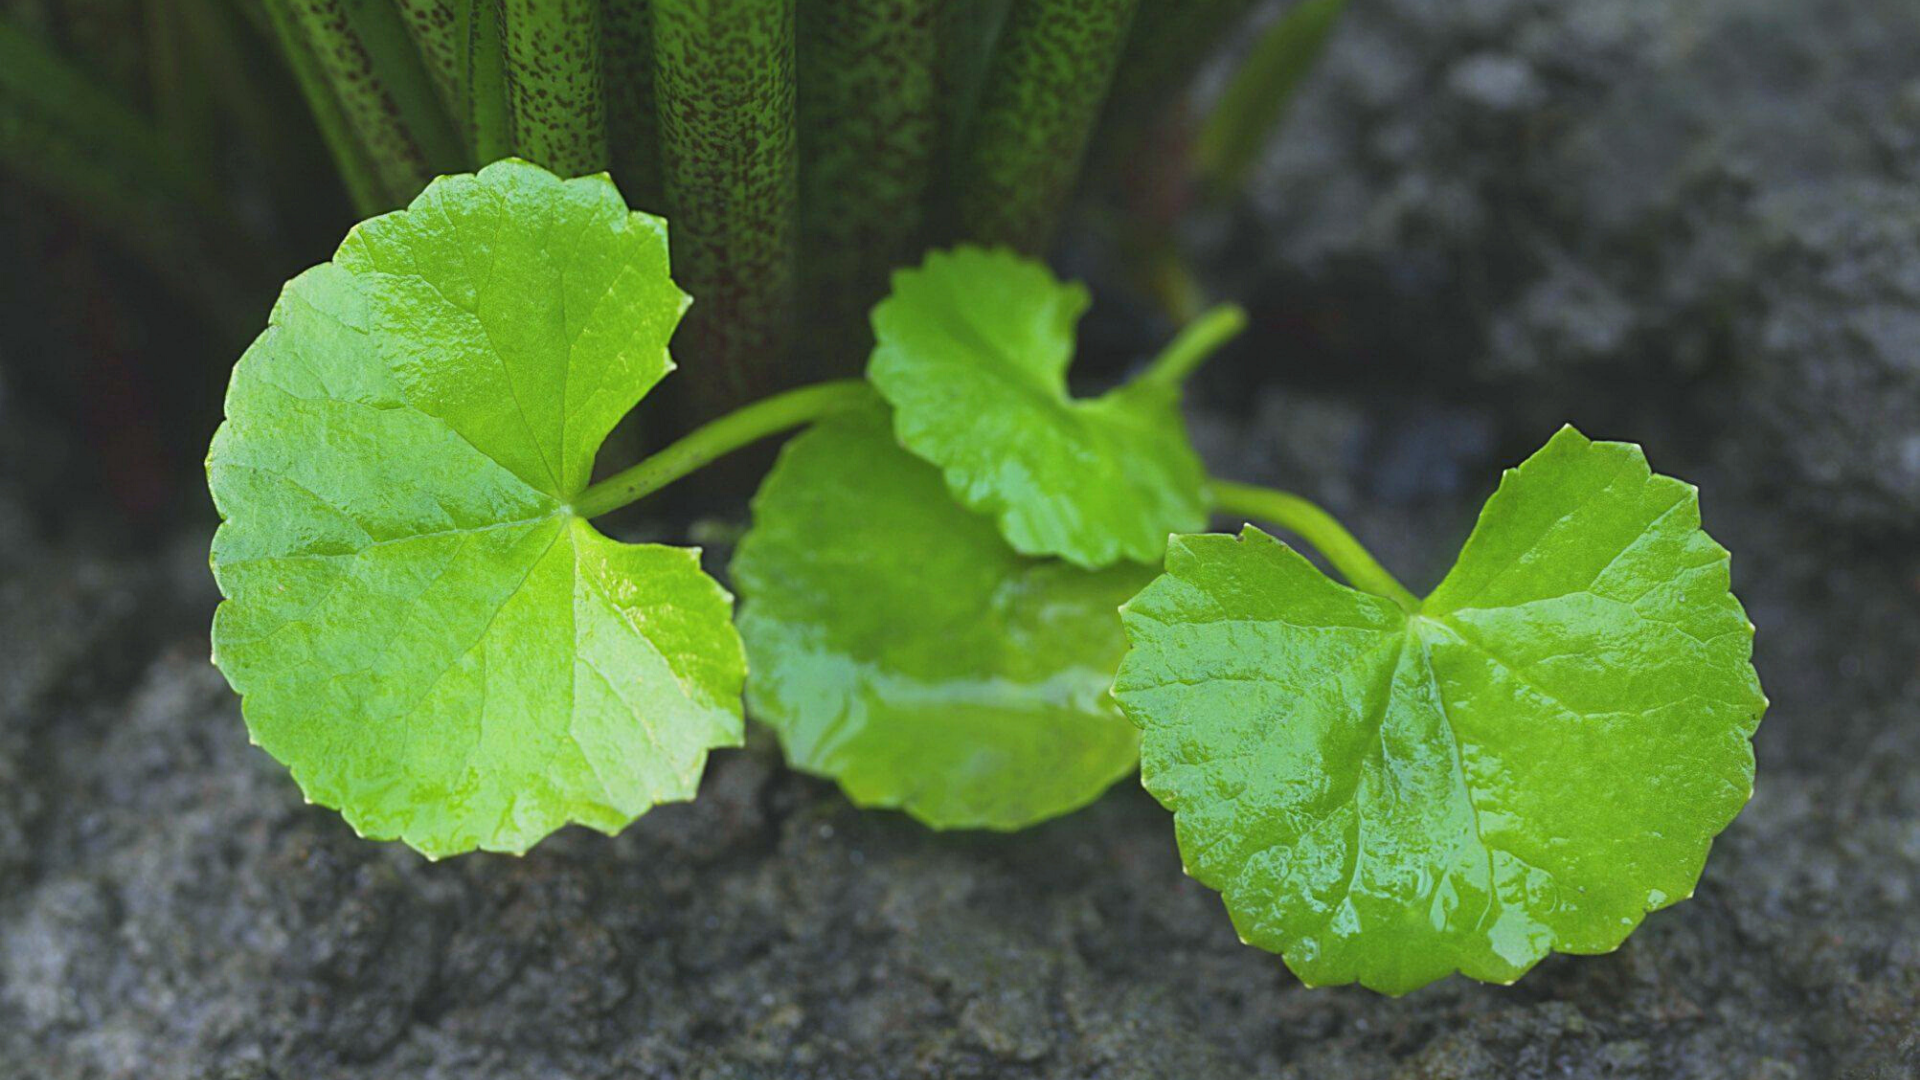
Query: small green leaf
{"points": [[899, 646], [972, 351], [422, 629], [1532, 761]]}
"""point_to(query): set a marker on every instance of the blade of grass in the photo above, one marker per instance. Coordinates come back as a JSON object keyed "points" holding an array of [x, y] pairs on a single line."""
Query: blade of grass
{"points": [[1049, 77], [1256, 98], [555, 90], [869, 118], [724, 76], [363, 52], [633, 114]]}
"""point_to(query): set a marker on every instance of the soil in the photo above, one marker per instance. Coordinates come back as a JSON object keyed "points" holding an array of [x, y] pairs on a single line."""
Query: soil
{"points": [[1682, 224]]}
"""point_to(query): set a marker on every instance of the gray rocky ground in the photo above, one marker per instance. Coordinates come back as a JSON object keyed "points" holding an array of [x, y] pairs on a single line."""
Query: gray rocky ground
{"points": [[1689, 224]]}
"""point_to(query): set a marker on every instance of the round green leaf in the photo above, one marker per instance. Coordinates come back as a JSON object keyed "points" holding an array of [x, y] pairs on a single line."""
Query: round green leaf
{"points": [[972, 351], [899, 646], [1532, 761], [422, 629]]}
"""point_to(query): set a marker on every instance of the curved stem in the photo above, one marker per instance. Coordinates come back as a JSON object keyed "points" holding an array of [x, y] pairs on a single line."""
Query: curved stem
{"points": [[1195, 344], [1316, 527], [750, 424]]}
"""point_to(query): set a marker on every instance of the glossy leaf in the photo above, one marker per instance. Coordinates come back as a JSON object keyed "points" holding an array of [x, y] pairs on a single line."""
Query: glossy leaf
{"points": [[972, 351], [899, 646], [1531, 761], [422, 629]]}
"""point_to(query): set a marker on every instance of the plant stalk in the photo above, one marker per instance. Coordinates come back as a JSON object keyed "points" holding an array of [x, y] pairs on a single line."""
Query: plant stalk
{"points": [[1195, 344], [1319, 528], [724, 79], [633, 113], [350, 160], [1048, 80], [869, 120], [362, 50], [740, 428], [555, 89]]}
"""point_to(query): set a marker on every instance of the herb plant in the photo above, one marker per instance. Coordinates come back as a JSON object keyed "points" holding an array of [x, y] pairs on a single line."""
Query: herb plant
{"points": [[941, 581]]}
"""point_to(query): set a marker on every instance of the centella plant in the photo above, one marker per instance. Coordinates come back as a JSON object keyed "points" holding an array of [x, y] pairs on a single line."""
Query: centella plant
{"points": [[965, 594]]}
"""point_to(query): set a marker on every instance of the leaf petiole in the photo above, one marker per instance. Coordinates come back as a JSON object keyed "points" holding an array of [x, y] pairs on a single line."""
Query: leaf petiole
{"points": [[1195, 345], [1316, 527], [743, 426]]}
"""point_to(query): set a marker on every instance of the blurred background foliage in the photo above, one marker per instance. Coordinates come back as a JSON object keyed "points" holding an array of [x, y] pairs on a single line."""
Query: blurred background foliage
{"points": [[166, 164]]}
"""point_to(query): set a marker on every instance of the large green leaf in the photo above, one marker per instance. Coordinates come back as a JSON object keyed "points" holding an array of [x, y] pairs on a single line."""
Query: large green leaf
{"points": [[899, 646], [1531, 761], [422, 629], [972, 351]]}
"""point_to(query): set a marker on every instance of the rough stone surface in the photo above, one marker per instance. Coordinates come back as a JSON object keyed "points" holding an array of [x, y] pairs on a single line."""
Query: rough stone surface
{"points": [[1563, 192], [169, 909]]}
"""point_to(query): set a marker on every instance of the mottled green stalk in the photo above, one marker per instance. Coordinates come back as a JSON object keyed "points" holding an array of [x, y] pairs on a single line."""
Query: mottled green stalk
{"points": [[1258, 95], [633, 114], [869, 118], [363, 50], [482, 113], [435, 28], [350, 159], [968, 32], [1049, 77], [555, 90], [724, 74]]}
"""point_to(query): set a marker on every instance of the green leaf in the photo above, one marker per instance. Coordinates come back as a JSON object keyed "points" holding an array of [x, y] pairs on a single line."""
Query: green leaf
{"points": [[899, 646], [972, 351], [423, 630], [1532, 761]]}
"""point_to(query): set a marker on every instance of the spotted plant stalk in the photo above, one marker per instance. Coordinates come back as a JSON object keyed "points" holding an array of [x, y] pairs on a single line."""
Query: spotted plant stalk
{"points": [[633, 113], [869, 120], [724, 74], [368, 60], [1049, 77], [555, 88]]}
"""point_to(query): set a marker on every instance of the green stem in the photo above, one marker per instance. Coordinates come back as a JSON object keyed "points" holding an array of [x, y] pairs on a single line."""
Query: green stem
{"points": [[869, 117], [1049, 77], [633, 114], [435, 28], [724, 80], [1195, 344], [554, 84], [350, 159], [744, 426], [482, 114], [1316, 527], [363, 50]]}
